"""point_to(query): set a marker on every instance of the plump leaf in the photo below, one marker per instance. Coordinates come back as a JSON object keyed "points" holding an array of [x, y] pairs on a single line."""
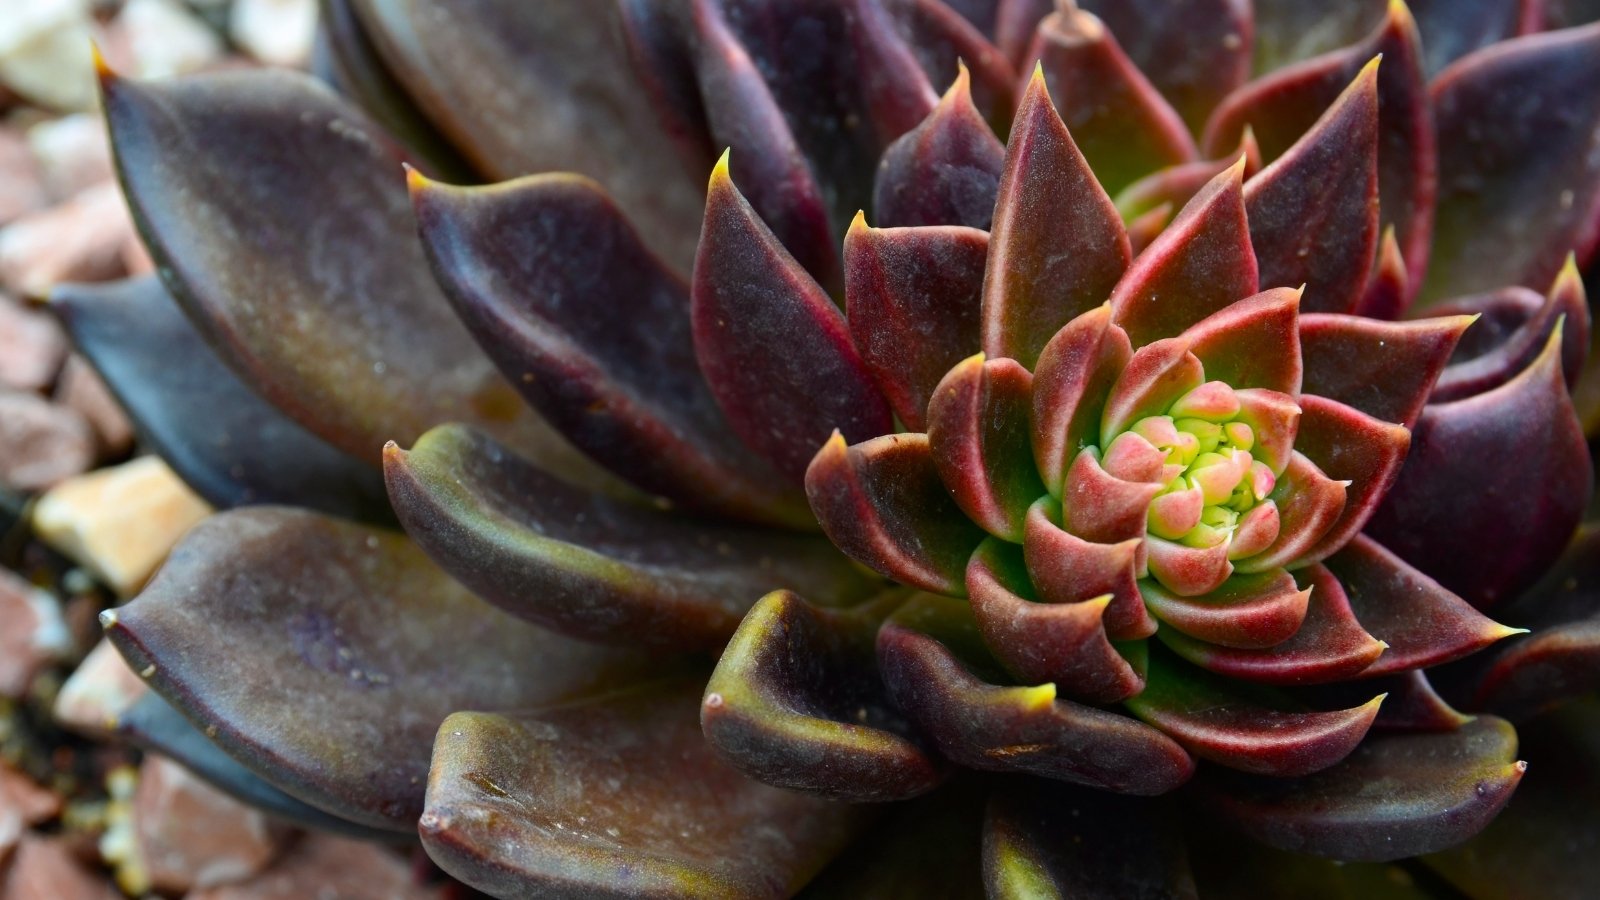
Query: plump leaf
{"points": [[796, 702], [914, 299], [1388, 291], [1310, 504], [281, 226], [1314, 211], [1522, 441], [926, 651], [1117, 117], [1068, 569], [594, 331], [1254, 343], [1156, 376], [1201, 263], [1056, 841], [227, 443], [1397, 795], [945, 171], [1248, 611], [1242, 726], [1057, 246], [347, 649], [773, 347], [154, 725], [1282, 106], [466, 65], [1075, 372], [1330, 645], [586, 565], [1564, 307], [1353, 447], [980, 437], [616, 796], [1519, 164], [1423, 624], [1226, 866], [1195, 52], [1064, 644], [1384, 369]]}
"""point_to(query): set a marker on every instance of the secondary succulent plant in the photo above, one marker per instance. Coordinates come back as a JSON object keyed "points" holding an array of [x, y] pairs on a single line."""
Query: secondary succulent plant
{"points": [[1203, 501]]}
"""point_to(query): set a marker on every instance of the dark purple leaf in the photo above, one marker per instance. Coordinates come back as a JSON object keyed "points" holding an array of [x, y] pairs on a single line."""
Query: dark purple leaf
{"points": [[1195, 52], [943, 172], [979, 432]]}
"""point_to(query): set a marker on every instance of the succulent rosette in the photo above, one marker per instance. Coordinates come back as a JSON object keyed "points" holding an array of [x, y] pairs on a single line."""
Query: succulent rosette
{"points": [[1157, 451]]}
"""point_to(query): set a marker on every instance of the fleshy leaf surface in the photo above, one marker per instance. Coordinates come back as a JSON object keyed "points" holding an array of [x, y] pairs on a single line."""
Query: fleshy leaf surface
{"points": [[945, 171], [616, 796], [586, 565], [980, 438], [1384, 369], [1195, 52], [348, 648]]}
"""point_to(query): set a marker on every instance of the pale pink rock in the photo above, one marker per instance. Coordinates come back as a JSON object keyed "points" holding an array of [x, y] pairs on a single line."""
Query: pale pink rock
{"points": [[80, 388], [165, 38], [73, 153], [79, 240], [100, 690], [324, 866], [41, 444], [22, 803], [32, 347], [32, 633], [190, 835], [119, 522], [43, 868], [20, 189]]}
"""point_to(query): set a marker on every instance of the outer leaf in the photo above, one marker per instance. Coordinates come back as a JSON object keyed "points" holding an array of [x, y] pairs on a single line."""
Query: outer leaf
{"points": [[594, 331], [154, 725], [227, 443], [1330, 645], [1054, 841], [796, 702], [589, 566], [1290, 31], [1314, 211], [1422, 623], [348, 649], [1201, 263], [617, 796], [1175, 185], [465, 64], [1064, 644], [268, 204], [1119, 120], [773, 347], [914, 298], [1227, 866], [1244, 727], [883, 504], [1519, 440], [1195, 52], [923, 651], [1530, 108], [1384, 369], [1437, 789], [1565, 307], [1280, 107], [943, 172], [979, 435], [1057, 247]]}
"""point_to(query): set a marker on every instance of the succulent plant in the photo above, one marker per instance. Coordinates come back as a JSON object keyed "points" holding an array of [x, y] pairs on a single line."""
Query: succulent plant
{"points": [[1281, 389]]}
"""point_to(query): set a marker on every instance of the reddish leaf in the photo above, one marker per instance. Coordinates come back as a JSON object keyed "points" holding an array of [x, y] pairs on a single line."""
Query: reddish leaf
{"points": [[1155, 377], [1438, 789], [914, 298], [1275, 419], [1117, 117], [1061, 643], [1352, 447], [978, 433], [1248, 611], [1563, 307], [1282, 106], [1175, 186], [1329, 646], [1314, 211], [945, 171], [594, 331], [1068, 569], [1194, 51], [796, 702], [1057, 246], [1309, 504], [1245, 727], [1530, 107], [926, 651], [1521, 441], [1100, 507], [1199, 265], [1075, 372], [1254, 343], [882, 503], [1388, 291], [1384, 369], [1423, 624], [773, 347]]}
